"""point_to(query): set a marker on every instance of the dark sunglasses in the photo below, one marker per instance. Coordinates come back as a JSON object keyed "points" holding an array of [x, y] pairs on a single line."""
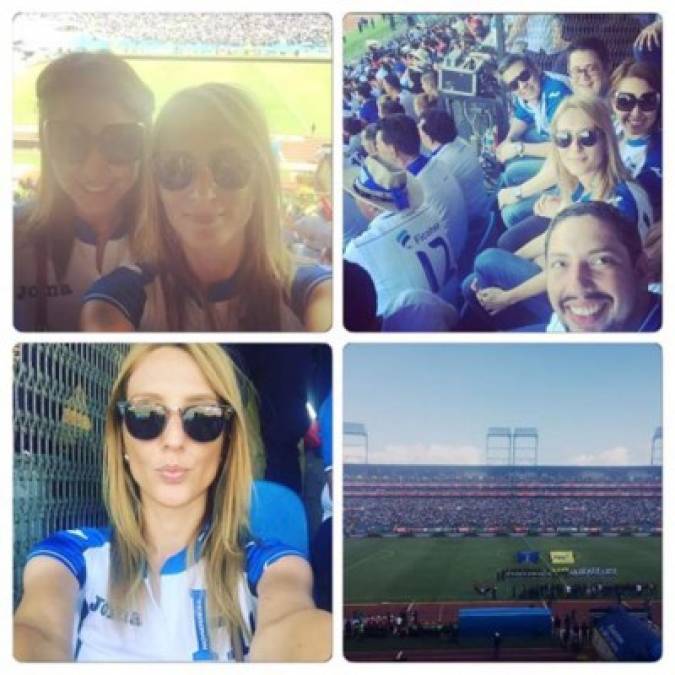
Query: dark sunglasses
{"points": [[202, 423], [588, 138], [71, 143], [177, 170], [524, 76], [625, 102]]}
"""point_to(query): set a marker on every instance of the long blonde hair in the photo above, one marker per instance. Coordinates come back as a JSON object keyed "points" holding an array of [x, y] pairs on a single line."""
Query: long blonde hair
{"points": [[612, 171], [265, 270], [227, 503], [49, 220]]}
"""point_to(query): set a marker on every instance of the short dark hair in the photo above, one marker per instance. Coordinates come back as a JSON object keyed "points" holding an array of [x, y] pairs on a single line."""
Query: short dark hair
{"points": [[364, 89], [401, 132], [510, 59], [393, 81], [590, 44], [391, 107], [625, 230], [439, 125]]}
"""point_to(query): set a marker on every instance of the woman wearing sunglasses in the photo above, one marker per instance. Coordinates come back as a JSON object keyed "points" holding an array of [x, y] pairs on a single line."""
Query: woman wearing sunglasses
{"points": [[211, 255], [636, 101], [93, 112], [177, 576], [510, 287]]}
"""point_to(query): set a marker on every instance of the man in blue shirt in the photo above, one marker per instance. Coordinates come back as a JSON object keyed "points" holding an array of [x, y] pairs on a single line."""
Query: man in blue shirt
{"points": [[536, 97]]}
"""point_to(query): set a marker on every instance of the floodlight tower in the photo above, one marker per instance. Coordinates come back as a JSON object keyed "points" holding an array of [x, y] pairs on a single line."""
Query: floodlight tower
{"points": [[356, 430], [657, 447], [499, 446], [526, 446]]}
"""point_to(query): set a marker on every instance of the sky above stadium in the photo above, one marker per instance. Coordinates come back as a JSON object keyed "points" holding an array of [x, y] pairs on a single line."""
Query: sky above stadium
{"points": [[433, 404]]}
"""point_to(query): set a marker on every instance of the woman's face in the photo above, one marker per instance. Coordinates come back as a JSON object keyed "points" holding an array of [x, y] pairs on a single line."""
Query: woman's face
{"points": [[172, 470], [581, 157], [94, 147], [206, 187], [636, 122]]}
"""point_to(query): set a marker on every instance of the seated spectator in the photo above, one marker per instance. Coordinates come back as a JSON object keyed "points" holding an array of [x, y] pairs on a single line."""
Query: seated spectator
{"points": [[388, 106], [429, 82], [588, 68], [398, 143], [439, 134], [394, 90], [536, 97], [596, 273], [405, 246], [368, 104], [589, 168], [636, 100], [424, 102]]}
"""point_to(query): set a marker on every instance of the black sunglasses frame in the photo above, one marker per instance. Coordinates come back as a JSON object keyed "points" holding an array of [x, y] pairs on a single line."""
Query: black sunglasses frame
{"points": [[234, 175], [107, 143], [524, 76], [190, 424], [639, 101], [587, 138]]}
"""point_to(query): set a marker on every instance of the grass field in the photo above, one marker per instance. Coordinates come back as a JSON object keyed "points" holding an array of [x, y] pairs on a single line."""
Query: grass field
{"points": [[354, 44], [437, 569], [294, 96]]}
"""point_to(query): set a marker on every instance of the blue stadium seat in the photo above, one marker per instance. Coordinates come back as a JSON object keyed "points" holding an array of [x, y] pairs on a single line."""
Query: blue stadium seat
{"points": [[278, 513]]}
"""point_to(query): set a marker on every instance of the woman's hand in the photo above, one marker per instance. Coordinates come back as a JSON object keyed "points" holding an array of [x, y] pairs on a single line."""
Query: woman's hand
{"points": [[547, 206], [649, 37], [289, 627], [493, 299]]}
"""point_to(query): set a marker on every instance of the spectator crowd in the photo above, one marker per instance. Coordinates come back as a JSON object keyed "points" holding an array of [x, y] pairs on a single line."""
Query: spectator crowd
{"points": [[497, 230]]}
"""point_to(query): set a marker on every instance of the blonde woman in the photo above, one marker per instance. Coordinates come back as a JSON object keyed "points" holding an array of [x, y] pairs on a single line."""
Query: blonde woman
{"points": [[94, 114], [177, 576], [210, 251], [589, 168]]}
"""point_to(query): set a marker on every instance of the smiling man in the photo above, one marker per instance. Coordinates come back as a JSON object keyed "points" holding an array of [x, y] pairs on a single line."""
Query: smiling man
{"points": [[596, 273]]}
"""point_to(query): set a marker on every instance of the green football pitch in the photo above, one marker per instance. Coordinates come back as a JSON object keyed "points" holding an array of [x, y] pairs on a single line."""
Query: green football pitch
{"points": [[439, 569], [295, 96]]}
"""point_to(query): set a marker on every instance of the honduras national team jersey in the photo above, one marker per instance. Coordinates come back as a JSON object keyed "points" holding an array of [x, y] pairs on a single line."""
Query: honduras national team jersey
{"points": [[554, 89], [404, 250], [643, 157], [62, 297], [171, 627], [630, 199], [137, 292]]}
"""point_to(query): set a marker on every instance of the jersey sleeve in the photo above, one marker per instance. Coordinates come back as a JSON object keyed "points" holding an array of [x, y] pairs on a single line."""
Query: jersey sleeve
{"points": [[124, 288], [68, 547], [305, 280], [260, 554]]}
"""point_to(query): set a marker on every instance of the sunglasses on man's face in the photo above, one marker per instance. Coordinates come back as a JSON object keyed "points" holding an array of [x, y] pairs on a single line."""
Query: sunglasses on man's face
{"points": [[625, 102], [202, 423], [177, 170], [587, 138], [71, 143], [524, 76]]}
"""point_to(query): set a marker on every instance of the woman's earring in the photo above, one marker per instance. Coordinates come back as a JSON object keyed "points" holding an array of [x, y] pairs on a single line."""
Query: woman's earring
{"points": [[126, 457]]}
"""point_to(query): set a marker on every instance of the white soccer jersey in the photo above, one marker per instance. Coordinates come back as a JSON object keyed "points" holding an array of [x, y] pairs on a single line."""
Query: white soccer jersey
{"points": [[404, 250], [170, 627], [63, 298]]}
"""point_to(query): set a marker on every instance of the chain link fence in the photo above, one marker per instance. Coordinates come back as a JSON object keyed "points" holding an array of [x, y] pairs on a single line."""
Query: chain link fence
{"points": [[60, 397]]}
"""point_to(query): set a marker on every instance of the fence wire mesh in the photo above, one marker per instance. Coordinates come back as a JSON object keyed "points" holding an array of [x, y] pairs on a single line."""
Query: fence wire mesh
{"points": [[60, 397]]}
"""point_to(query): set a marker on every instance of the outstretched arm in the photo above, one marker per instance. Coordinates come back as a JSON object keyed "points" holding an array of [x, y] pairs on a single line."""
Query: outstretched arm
{"points": [[289, 627], [43, 622]]}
